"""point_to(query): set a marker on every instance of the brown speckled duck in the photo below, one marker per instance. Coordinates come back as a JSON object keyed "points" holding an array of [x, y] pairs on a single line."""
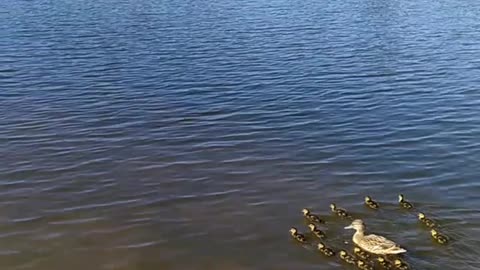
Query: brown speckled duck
{"points": [[373, 243]]}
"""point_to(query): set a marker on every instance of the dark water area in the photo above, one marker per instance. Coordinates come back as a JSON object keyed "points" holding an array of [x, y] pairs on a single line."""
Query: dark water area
{"points": [[160, 134]]}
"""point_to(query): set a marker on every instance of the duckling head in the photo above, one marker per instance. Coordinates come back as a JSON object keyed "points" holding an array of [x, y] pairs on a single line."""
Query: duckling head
{"points": [[333, 206], [421, 215], [305, 211], [360, 263], [401, 198], [380, 259], [368, 199], [320, 245], [397, 262], [343, 252], [357, 224], [356, 249], [312, 226], [293, 230], [434, 232]]}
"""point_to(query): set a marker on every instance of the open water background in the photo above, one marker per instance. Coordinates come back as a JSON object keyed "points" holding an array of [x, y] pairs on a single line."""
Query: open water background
{"points": [[160, 134]]}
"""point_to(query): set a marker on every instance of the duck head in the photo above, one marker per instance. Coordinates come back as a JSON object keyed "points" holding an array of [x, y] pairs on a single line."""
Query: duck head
{"points": [[357, 224]]}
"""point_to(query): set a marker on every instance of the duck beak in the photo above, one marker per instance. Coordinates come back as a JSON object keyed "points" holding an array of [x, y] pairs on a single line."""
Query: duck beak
{"points": [[349, 227]]}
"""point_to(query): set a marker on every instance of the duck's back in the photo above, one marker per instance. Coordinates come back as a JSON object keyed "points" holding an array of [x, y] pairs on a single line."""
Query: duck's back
{"points": [[378, 244]]}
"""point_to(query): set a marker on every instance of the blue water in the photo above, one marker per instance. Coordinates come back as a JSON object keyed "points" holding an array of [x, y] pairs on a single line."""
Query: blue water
{"points": [[160, 134]]}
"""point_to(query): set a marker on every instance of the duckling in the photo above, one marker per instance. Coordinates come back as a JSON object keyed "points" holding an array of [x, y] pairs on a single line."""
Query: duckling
{"points": [[428, 222], [339, 211], [325, 250], [318, 233], [363, 266], [399, 264], [347, 257], [361, 254], [384, 263], [311, 217], [403, 203], [298, 236], [442, 239], [371, 203]]}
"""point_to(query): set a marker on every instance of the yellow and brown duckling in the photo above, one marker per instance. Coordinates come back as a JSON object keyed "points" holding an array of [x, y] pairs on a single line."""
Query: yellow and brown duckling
{"points": [[347, 257], [363, 265], [403, 203], [442, 239], [317, 232], [339, 211], [371, 203], [361, 254], [428, 222], [384, 263], [311, 217], [399, 264], [298, 236], [325, 250]]}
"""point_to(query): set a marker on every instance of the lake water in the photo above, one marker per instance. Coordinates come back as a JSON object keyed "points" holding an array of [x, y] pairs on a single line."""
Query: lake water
{"points": [[161, 134]]}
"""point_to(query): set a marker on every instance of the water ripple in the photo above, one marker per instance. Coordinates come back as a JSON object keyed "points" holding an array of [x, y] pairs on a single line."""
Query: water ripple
{"points": [[134, 132]]}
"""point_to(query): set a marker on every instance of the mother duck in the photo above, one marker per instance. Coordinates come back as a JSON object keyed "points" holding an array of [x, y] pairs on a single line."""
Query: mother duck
{"points": [[373, 243]]}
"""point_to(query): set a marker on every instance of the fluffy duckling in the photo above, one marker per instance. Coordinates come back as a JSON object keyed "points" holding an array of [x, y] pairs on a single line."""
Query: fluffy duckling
{"points": [[298, 236], [311, 217], [399, 264], [442, 239], [363, 265], [318, 233], [384, 263], [371, 203], [339, 211], [347, 257], [361, 254], [428, 222], [325, 250], [403, 203]]}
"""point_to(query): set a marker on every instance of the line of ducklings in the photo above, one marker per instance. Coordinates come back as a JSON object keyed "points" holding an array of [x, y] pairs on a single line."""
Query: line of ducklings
{"points": [[439, 237], [361, 259]]}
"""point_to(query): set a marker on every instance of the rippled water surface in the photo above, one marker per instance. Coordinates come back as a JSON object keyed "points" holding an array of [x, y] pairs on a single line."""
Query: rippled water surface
{"points": [[161, 134]]}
